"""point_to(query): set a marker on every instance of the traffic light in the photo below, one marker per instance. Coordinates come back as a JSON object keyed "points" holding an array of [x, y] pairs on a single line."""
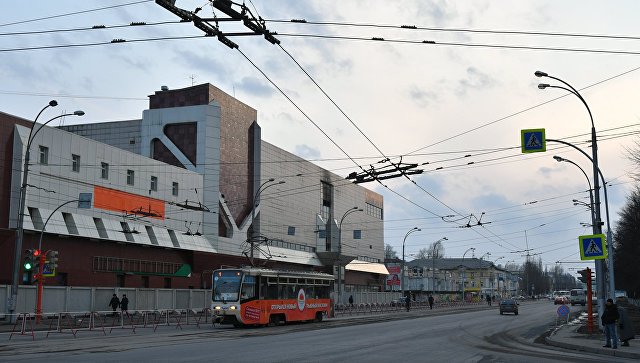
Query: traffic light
{"points": [[36, 261], [28, 260], [53, 259], [584, 275]]}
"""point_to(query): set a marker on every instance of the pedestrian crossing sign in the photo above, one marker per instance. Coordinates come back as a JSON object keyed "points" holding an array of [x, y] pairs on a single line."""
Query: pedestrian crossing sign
{"points": [[593, 247], [533, 140]]}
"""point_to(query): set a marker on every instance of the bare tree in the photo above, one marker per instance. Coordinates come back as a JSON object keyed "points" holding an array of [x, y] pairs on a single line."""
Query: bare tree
{"points": [[389, 252], [423, 253], [436, 250]]}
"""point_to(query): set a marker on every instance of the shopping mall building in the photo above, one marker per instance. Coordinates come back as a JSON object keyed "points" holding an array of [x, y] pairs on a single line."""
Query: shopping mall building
{"points": [[173, 199]]}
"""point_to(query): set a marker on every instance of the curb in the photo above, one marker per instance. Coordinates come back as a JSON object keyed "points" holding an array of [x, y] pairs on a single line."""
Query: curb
{"points": [[583, 348]]}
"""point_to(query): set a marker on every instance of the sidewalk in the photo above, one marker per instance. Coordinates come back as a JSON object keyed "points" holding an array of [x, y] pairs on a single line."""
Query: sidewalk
{"points": [[568, 337]]}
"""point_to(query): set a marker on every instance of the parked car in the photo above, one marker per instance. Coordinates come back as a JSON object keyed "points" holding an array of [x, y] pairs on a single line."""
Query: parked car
{"points": [[509, 306], [560, 300]]}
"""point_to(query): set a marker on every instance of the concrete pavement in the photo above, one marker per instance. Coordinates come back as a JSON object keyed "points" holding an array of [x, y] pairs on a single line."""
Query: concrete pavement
{"points": [[568, 337]]}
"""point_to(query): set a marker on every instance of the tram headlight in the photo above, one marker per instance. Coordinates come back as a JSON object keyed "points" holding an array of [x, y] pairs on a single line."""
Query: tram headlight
{"points": [[218, 307], [232, 307]]}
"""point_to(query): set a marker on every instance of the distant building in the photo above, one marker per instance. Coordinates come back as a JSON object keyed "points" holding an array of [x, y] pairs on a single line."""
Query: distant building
{"points": [[445, 276], [173, 199]]}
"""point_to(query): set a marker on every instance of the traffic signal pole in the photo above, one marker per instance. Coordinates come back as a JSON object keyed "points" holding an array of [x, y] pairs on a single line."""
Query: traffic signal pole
{"points": [[589, 302], [40, 278]]}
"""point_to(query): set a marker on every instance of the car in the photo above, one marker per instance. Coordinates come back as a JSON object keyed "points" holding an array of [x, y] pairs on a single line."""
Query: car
{"points": [[560, 300], [509, 306], [578, 296]]}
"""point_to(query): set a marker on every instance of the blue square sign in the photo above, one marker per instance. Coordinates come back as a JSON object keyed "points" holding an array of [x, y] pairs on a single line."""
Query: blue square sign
{"points": [[533, 140], [593, 247]]}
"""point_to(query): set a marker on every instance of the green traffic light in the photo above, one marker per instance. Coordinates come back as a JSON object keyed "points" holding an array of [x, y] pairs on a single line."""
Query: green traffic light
{"points": [[27, 266]]}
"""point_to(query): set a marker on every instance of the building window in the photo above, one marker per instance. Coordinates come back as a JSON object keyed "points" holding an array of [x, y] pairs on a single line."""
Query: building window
{"points": [[75, 163], [44, 155], [322, 234], [104, 170], [326, 192], [374, 210], [174, 189], [357, 234], [154, 183], [291, 231], [130, 177]]}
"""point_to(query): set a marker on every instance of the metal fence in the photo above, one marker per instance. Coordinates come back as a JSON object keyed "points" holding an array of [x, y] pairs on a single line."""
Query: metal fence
{"points": [[76, 298]]}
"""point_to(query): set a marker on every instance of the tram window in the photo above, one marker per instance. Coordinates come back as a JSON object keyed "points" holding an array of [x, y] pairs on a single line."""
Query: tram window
{"points": [[310, 292], [248, 288], [272, 291], [263, 288]]}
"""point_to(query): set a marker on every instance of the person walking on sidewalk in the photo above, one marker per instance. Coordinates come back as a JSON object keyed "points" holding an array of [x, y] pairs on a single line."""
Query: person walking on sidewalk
{"points": [[431, 302], [626, 327], [489, 300], [124, 305], [114, 303], [408, 301], [609, 318]]}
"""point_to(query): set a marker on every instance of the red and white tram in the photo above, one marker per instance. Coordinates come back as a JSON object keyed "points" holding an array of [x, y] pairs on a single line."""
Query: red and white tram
{"points": [[258, 296]]}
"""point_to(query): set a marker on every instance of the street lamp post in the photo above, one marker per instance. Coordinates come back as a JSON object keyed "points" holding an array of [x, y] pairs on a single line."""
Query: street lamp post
{"points": [[21, 204], [592, 207], [414, 229], [340, 285], [596, 188], [84, 201], [433, 263], [253, 235], [493, 277], [464, 269]]}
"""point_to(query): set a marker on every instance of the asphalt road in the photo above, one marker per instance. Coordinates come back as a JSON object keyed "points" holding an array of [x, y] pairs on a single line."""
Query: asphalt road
{"points": [[419, 336]]}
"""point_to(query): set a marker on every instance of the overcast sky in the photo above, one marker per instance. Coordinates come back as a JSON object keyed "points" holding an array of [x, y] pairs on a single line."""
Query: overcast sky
{"points": [[461, 100]]}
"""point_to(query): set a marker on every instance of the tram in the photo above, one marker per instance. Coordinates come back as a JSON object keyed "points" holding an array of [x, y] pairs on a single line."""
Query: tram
{"points": [[259, 296]]}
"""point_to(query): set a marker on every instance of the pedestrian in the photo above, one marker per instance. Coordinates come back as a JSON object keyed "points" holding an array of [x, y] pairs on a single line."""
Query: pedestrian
{"points": [[489, 300], [124, 305], [114, 303], [351, 300], [430, 302], [626, 327], [408, 301], [609, 318]]}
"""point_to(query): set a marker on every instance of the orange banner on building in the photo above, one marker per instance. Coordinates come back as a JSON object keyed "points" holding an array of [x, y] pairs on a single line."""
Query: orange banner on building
{"points": [[122, 202]]}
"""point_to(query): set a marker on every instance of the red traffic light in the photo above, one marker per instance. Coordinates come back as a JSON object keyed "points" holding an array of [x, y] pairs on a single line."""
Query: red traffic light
{"points": [[36, 253]]}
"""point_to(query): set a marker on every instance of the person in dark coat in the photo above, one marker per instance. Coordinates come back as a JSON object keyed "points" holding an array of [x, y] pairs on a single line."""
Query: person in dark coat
{"points": [[114, 303], [609, 318], [408, 301], [124, 304], [626, 327], [430, 302], [489, 300], [351, 300]]}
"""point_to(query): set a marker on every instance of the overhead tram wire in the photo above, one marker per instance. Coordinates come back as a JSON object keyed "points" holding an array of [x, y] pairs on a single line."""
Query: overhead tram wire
{"points": [[76, 13], [458, 44], [456, 30], [92, 28], [386, 158]]}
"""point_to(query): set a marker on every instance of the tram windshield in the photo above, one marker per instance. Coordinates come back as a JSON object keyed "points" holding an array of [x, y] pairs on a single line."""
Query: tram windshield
{"points": [[226, 285]]}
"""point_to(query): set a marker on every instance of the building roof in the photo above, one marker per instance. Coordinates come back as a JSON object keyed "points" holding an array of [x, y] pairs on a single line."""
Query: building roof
{"points": [[452, 263]]}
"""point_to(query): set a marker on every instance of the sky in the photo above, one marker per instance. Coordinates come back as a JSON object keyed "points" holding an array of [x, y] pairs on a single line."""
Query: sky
{"points": [[454, 107]]}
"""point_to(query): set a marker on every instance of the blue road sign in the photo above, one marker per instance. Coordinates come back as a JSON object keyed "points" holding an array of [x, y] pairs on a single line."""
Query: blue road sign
{"points": [[563, 311], [593, 247], [533, 140]]}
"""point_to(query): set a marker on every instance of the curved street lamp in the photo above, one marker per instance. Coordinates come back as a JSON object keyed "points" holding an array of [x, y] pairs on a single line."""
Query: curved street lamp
{"points": [[592, 207], [433, 263], [340, 285], [464, 269], [414, 229], [23, 196], [253, 236], [596, 187]]}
